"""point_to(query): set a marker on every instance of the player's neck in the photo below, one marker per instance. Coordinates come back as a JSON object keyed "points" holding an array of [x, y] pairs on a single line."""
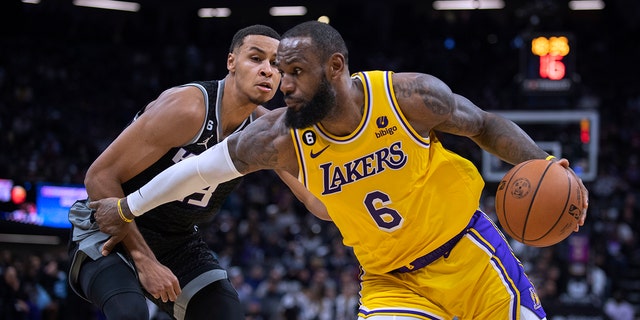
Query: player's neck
{"points": [[347, 114], [234, 108]]}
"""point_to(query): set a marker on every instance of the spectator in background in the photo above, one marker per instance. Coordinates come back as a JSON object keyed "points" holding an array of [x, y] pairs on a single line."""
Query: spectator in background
{"points": [[15, 303], [618, 308], [347, 301], [54, 282]]}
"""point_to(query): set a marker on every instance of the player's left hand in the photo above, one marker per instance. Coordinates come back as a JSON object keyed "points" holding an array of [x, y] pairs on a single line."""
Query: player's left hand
{"points": [[585, 194], [111, 243], [158, 280]]}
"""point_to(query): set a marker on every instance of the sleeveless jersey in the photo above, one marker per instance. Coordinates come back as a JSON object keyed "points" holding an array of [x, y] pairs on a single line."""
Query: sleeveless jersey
{"points": [[394, 195], [179, 217]]}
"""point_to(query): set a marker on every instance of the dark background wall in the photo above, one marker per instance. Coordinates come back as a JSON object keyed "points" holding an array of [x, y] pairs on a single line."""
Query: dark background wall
{"points": [[72, 77]]}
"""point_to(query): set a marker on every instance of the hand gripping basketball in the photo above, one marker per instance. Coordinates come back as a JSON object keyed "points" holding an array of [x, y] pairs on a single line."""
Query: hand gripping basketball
{"points": [[541, 202]]}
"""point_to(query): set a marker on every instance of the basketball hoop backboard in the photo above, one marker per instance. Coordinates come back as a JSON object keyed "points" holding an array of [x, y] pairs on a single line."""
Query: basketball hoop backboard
{"points": [[565, 134]]}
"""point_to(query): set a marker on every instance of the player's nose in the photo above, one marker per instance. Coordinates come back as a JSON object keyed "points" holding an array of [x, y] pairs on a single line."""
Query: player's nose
{"points": [[287, 85], [267, 69]]}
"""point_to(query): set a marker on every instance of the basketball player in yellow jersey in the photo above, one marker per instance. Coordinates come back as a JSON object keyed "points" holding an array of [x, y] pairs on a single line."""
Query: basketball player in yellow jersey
{"points": [[395, 212], [365, 148]]}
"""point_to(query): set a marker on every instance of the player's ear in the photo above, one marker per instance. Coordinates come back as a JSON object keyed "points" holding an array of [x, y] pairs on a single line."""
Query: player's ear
{"points": [[336, 64], [231, 62]]}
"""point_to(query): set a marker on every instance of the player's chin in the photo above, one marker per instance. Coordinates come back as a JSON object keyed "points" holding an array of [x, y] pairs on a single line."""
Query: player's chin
{"points": [[263, 98]]}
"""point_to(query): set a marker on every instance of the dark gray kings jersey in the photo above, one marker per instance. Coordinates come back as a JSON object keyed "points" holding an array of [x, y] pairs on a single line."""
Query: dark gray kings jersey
{"points": [[180, 217]]}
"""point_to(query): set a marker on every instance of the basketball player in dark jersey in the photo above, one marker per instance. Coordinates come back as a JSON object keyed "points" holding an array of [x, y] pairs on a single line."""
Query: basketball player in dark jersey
{"points": [[176, 270]]}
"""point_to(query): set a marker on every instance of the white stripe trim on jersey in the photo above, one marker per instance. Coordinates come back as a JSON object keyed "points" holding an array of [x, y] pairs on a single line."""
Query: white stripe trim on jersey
{"points": [[206, 112], [368, 110], [422, 141]]}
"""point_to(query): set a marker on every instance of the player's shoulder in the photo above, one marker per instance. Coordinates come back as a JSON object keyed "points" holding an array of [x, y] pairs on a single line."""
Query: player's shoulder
{"points": [[417, 80], [180, 99], [183, 93], [184, 105], [421, 86], [423, 98]]}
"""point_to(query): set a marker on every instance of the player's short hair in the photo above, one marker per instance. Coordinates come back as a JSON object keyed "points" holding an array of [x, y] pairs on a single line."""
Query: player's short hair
{"points": [[256, 29], [325, 39]]}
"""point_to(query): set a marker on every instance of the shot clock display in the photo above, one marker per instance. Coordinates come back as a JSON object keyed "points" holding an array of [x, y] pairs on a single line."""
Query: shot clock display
{"points": [[551, 52], [548, 63]]}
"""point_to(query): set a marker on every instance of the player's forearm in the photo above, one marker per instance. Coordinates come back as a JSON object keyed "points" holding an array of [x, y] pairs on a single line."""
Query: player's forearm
{"points": [[208, 169], [137, 247], [507, 141]]}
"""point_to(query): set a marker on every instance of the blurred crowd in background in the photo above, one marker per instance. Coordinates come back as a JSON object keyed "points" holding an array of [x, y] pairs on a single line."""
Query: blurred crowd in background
{"points": [[70, 82]]}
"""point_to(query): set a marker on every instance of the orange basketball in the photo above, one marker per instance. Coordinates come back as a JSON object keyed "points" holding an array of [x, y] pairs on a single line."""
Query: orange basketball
{"points": [[539, 202]]}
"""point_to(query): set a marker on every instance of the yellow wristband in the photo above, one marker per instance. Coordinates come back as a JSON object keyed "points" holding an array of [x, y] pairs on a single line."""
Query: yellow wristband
{"points": [[549, 158], [125, 219]]}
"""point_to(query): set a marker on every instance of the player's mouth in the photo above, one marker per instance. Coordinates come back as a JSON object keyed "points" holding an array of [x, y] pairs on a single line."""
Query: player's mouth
{"points": [[293, 103], [265, 86]]}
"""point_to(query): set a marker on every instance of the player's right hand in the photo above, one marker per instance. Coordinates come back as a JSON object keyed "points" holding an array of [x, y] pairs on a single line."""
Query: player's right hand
{"points": [[585, 194]]}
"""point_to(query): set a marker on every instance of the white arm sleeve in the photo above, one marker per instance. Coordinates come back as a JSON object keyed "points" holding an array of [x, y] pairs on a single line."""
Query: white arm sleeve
{"points": [[210, 168]]}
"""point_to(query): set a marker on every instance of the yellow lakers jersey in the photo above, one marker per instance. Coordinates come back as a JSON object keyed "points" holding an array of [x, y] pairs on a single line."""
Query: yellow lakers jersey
{"points": [[394, 195]]}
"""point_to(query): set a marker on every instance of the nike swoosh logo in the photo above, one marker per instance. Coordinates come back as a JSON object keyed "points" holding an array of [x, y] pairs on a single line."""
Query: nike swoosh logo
{"points": [[315, 155]]}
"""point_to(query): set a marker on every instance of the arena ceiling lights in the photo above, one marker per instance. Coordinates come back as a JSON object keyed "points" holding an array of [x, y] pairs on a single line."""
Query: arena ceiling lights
{"points": [[499, 4], [586, 5], [468, 4], [288, 11], [273, 11], [214, 12], [108, 4]]}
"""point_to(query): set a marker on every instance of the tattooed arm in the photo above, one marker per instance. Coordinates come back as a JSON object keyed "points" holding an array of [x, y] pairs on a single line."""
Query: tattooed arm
{"points": [[429, 104], [265, 144]]}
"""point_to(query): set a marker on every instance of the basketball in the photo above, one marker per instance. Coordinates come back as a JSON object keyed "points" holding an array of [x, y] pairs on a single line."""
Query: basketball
{"points": [[538, 202]]}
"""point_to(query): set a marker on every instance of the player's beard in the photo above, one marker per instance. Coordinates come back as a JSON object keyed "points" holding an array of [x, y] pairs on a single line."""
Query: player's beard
{"points": [[315, 109]]}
